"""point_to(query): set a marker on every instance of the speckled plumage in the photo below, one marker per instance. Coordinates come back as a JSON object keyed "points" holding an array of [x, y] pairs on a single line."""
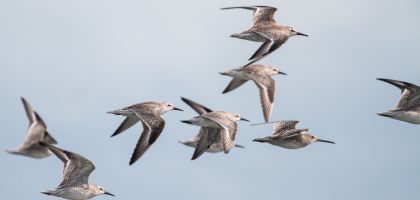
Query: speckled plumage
{"points": [[261, 75], [287, 136], [149, 115], [218, 128], [265, 29], [76, 173]]}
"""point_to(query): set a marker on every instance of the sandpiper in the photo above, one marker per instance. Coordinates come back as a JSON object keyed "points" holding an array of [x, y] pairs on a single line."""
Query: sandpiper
{"points": [[287, 136], [149, 115], [75, 184], [261, 75], [218, 128], [265, 29], [37, 131], [408, 107], [217, 146]]}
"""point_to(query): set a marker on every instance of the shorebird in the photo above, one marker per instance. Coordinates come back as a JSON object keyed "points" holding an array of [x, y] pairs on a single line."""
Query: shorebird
{"points": [[408, 107], [149, 115], [261, 75], [76, 173], [37, 131], [218, 128], [265, 29], [287, 136]]}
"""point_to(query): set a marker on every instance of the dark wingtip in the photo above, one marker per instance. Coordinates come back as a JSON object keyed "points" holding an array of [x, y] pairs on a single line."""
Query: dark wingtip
{"points": [[44, 144], [131, 162], [186, 121], [257, 140]]}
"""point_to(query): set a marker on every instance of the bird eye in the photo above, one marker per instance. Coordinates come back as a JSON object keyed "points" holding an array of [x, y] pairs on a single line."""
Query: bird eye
{"points": [[101, 189], [313, 137], [169, 105]]}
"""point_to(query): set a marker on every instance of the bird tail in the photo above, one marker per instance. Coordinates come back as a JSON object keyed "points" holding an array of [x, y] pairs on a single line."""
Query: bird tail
{"points": [[118, 112]]}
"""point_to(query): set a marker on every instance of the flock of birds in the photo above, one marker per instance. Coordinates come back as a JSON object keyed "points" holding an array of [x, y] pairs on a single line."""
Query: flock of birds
{"points": [[218, 129]]}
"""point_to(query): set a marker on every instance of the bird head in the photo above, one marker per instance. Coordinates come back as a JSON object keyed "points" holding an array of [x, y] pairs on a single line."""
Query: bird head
{"points": [[165, 107], [99, 190], [313, 138], [293, 32]]}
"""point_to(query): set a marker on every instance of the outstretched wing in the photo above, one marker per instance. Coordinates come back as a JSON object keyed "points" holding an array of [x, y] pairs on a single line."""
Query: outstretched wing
{"points": [[410, 94], [76, 168], [262, 14], [152, 128], [208, 136], [200, 109], [281, 126], [272, 43], [266, 86], [126, 124], [233, 84], [228, 135], [37, 131]]}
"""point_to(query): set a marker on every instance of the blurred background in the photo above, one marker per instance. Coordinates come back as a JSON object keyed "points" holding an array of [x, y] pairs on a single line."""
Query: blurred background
{"points": [[75, 60]]}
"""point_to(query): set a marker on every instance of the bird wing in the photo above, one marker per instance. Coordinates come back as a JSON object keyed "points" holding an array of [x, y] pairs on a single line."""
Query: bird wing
{"points": [[233, 84], [36, 132], [266, 86], [410, 94], [272, 43], [228, 129], [262, 14], [29, 110], [291, 133], [152, 128], [208, 136], [48, 138], [200, 109], [228, 136], [126, 124], [281, 126], [76, 168]]}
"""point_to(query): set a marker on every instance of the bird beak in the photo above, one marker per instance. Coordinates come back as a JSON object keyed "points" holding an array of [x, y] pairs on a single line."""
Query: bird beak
{"points": [[223, 73], [282, 73], [107, 193], [243, 119], [326, 141], [175, 108], [302, 34]]}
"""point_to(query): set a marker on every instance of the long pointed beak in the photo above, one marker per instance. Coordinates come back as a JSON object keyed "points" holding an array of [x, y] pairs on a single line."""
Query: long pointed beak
{"points": [[326, 141], [223, 73], [243, 119], [282, 73], [107, 193], [302, 34], [175, 108]]}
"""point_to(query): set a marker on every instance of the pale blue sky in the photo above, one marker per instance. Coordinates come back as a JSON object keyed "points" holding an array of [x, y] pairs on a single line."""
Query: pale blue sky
{"points": [[76, 59]]}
